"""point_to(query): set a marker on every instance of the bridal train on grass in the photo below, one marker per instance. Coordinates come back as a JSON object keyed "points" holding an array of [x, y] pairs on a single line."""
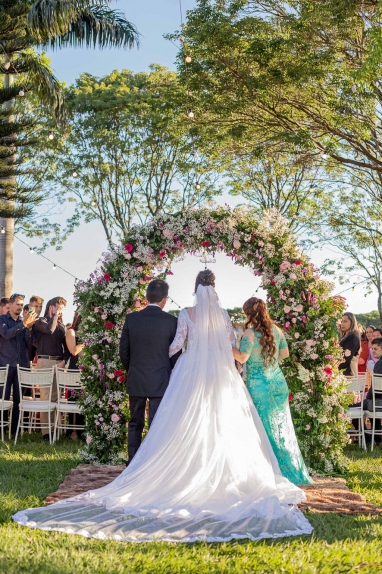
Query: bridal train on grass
{"points": [[206, 470]]}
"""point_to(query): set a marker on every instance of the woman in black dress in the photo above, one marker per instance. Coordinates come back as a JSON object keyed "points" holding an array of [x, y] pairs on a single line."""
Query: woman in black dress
{"points": [[351, 344], [74, 348]]}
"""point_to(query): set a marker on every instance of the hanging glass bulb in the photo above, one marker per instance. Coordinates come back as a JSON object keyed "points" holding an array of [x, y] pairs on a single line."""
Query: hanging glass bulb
{"points": [[187, 58], [94, 203], [182, 39], [2, 230], [190, 113], [7, 65], [51, 136], [75, 173], [54, 267], [31, 250], [198, 186], [22, 92], [194, 153]]}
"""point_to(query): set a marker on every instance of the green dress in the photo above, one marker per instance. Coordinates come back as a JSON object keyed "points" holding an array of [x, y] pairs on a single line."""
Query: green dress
{"points": [[269, 391]]}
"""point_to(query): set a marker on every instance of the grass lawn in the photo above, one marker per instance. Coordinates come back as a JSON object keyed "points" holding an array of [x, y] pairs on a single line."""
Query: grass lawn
{"points": [[33, 469]]}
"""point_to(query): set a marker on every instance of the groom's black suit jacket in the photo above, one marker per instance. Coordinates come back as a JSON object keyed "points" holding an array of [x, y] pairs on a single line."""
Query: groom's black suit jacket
{"points": [[145, 341]]}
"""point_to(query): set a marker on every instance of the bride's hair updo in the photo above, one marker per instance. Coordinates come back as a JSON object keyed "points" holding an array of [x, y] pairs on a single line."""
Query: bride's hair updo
{"points": [[205, 278], [258, 318]]}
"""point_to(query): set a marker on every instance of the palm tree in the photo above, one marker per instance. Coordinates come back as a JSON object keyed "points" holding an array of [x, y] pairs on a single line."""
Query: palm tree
{"points": [[57, 24]]}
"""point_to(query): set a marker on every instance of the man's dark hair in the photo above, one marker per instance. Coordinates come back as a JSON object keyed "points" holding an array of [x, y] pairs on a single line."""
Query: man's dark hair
{"points": [[379, 329], [26, 307], [377, 341], [156, 291], [53, 302], [4, 301], [15, 296]]}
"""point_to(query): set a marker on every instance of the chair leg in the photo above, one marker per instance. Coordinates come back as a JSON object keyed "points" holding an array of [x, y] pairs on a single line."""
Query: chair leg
{"points": [[55, 426], [18, 425], [2, 425], [9, 422], [372, 435]]}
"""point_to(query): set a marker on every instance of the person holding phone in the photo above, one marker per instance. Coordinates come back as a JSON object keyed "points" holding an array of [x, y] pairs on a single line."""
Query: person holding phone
{"points": [[50, 337]]}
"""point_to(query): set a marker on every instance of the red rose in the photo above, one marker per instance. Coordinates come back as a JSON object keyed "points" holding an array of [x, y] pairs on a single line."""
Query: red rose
{"points": [[169, 272], [107, 277], [118, 373], [129, 248], [290, 397], [299, 262], [162, 254], [206, 243], [273, 282], [121, 378], [108, 325]]}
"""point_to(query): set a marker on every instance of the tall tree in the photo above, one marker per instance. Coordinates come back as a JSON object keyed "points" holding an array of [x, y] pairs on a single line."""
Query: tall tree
{"points": [[130, 153], [25, 24]]}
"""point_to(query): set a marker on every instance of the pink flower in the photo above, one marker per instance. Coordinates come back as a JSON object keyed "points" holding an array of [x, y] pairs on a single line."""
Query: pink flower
{"points": [[111, 375], [237, 244], [294, 320], [287, 326], [314, 356], [127, 425], [328, 371], [137, 304], [108, 325], [169, 272], [293, 276], [114, 418], [125, 275], [168, 234], [307, 427], [284, 266], [290, 397], [299, 308], [206, 243], [287, 309], [139, 268], [310, 342], [107, 277], [88, 439], [127, 256], [95, 357], [81, 367], [121, 379], [103, 316], [96, 309], [257, 272], [129, 248]]}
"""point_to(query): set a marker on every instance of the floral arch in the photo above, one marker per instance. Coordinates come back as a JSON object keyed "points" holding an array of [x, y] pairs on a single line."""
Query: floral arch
{"points": [[297, 297]]}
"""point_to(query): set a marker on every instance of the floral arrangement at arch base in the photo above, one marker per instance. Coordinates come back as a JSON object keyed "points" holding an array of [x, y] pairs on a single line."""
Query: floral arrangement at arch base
{"points": [[298, 299]]}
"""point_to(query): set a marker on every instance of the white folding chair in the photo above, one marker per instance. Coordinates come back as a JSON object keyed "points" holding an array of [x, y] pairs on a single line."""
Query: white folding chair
{"points": [[376, 413], [356, 387], [5, 405], [68, 382], [32, 379]]}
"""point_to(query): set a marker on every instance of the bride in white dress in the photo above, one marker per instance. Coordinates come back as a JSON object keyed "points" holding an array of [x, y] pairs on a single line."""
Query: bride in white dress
{"points": [[205, 471]]}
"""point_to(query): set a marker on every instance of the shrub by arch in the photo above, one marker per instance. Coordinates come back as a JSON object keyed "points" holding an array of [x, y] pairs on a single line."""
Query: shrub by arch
{"points": [[298, 298]]}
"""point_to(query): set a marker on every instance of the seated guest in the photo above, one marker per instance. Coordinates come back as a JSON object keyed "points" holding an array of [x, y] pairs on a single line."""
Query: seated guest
{"points": [[14, 350], [377, 333], [50, 336], [350, 343], [364, 354], [4, 306]]}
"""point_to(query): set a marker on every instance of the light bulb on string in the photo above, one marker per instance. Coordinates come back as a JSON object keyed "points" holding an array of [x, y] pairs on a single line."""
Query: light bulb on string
{"points": [[51, 136], [187, 58], [190, 113], [194, 153], [198, 186], [22, 92], [94, 203], [2, 230], [182, 39], [54, 267], [31, 250], [74, 173], [7, 65]]}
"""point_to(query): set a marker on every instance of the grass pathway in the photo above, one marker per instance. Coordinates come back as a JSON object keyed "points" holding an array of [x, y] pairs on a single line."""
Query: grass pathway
{"points": [[33, 469]]}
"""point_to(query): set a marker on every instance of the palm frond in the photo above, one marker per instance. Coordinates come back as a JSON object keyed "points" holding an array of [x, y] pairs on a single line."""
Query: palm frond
{"points": [[39, 75], [94, 24], [54, 17]]}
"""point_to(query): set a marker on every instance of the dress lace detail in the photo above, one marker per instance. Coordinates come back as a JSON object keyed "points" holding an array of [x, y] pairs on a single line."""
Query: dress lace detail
{"points": [[269, 391], [205, 471]]}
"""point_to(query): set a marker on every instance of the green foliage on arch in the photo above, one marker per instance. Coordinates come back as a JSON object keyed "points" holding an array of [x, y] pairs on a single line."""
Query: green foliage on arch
{"points": [[299, 300]]}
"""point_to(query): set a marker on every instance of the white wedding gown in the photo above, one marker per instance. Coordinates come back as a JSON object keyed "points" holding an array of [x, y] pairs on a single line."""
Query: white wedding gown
{"points": [[205, 471]]}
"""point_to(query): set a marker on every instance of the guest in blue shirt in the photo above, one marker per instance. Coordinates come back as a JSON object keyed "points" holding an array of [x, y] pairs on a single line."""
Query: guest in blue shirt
{"points": [[14, 349]]}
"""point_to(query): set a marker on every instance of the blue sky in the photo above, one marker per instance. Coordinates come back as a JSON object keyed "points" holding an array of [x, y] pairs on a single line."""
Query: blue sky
{"points": [[80, 253]]}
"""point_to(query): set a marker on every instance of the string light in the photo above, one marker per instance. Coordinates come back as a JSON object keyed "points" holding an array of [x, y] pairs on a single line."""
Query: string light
{"points": [[187, 58], [75, 173], [94, 203], [356, 285], [51, 136], [22, 92], [55, 266], [198, 186], [2, 230], [354, 88], [7, 65], [190, 113]]}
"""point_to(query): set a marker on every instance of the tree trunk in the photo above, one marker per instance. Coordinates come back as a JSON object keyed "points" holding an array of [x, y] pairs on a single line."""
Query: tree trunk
{"points": [[6, 239]]}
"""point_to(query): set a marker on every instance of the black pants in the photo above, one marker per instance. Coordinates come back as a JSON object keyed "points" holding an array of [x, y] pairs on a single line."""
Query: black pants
{"points": [[137, 421], [12, 384], [355, 423]]}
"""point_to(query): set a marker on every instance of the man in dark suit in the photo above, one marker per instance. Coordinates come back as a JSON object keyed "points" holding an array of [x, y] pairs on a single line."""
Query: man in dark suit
{"points": [[145, 341]]}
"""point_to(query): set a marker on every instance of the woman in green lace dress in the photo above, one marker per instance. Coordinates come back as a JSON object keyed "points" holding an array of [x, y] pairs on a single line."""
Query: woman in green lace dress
{"points": [[262, 346]]}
